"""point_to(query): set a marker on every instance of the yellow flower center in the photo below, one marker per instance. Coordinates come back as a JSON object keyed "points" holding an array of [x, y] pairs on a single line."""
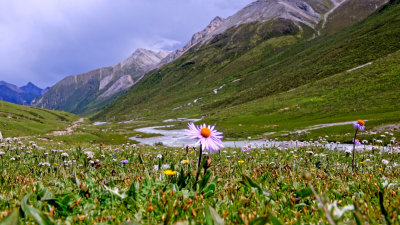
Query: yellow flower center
{"points": [[240, 161], [205, 132], [361, 122]]}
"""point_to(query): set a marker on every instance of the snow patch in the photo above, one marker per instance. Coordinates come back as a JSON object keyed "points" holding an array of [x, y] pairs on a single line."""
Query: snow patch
{"points": [[216, 90], [100, 123], [359, 67]]}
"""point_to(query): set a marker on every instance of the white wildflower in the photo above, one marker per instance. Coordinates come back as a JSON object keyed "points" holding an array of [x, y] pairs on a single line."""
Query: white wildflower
{"points": [[337, 212], [165, 166], [89, 154]]}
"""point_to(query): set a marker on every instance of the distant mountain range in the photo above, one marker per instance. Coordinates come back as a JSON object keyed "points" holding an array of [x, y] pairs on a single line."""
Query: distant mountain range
{"points": [[93, 90], [20, 95]]}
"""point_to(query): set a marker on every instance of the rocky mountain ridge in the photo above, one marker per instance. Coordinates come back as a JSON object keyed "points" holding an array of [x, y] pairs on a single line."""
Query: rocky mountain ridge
{"points": [[261, 10], [75, 93], [308, 12]]}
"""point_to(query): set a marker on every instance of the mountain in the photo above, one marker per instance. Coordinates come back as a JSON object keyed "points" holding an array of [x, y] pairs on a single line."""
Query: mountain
{"points": [[20, 95], [93, 90], [280, 74], [313, 13], [259, 11]]}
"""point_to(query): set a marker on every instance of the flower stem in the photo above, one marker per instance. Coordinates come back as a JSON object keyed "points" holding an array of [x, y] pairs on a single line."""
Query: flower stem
{"points": [[198, 165], [354, 148], [322, 205]]}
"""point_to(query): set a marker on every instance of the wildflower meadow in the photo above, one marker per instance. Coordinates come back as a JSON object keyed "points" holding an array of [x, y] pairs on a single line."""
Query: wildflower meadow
{"points": [[309, 182]]}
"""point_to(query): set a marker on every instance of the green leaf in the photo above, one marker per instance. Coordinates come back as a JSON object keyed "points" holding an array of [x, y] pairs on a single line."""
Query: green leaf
{"points": [[130, 223], [37, 215], [205, 179], [259, 221], [247, 181], [140, 159], [273, 219], [132, 191], [12, 219], [304, 192], [212, 217], [210, 187]]}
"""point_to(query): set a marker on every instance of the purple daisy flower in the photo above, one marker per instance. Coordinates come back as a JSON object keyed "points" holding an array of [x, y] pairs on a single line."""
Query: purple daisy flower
{"points": [[124, 161], [357, 141], [207, 136], [359, 124]]}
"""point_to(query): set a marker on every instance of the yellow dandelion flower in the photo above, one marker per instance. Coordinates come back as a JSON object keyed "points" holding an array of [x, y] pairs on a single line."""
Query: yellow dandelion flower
{"points": [[362, 162], [226, 160], [185, 161], [56, 164], [276, 153], [240, 161], [295, 156], [313, 169], [380, 169], [334, 169], [169, 172]]}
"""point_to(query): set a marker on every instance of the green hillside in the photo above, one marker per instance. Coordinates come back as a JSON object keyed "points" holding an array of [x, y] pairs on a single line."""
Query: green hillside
{"points": [[18, 120], [262, 72]]}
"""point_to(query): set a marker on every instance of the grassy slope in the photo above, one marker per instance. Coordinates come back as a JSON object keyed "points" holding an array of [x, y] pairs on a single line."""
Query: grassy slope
{"points": [[17, 120], [369, 93], [267, 71]]}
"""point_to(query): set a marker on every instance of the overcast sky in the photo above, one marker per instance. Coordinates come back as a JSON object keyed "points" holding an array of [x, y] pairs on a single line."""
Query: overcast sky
{"points": [[44, 41]]}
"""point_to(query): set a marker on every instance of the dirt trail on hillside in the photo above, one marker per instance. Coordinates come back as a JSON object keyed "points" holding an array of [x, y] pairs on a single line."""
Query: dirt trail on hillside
{"points": [[69, 129]]}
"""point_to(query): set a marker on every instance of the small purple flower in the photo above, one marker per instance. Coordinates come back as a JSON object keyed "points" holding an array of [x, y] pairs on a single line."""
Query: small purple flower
{"points": [[359, 124], [124, 161], [357, 142], [114, 155], [246, 148]]}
